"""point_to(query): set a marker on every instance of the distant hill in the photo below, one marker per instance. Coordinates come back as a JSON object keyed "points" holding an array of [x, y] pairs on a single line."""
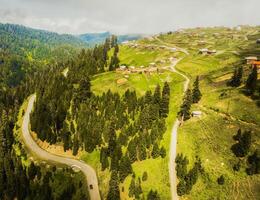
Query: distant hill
{"points": [[21, 40], [22, 32], [96, 38], [42, 44]]}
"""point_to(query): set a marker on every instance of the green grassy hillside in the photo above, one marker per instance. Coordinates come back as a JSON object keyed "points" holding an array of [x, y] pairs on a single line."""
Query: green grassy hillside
{"points": [[211, 136]]}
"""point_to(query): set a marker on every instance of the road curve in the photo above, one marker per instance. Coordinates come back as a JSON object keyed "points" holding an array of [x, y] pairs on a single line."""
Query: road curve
{"points": [[174, 137], [33, 147]]}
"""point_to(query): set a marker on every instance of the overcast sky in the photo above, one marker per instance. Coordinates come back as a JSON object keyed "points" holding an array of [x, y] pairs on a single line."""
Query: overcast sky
{"points": [[128, 16]]}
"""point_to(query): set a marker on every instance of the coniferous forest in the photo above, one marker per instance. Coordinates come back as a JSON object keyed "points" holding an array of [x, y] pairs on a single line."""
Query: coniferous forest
{"points": [[165, 116], [18, 180], [67, 111]]}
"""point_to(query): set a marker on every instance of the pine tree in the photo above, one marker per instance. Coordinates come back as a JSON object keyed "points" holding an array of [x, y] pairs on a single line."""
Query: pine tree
{"points": [[166, 89], [162, 152], [106, 48], [148, 97], [113, 41], [221, 180], [157, 95], [112, 140], [242, 147], [196, 94], [164, 104], [2, 170], [32, 171], [156, 151], [104, 159], [251, 82], [132, 187], [238, 136], [84, 91], [116, 49], [138, 189], [66, 141], [114, 62], [75, 145], [145, 176], [125, 168], [113, 193], [153, 195], [254, 163], [236, 79], [186, 105]]}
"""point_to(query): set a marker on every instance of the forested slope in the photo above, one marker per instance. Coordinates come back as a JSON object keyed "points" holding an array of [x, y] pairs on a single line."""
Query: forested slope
{"points": [[37, 44], [21, 177]]}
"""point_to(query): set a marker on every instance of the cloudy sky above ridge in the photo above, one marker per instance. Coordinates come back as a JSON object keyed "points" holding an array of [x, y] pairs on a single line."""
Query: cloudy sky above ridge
{"points": [[128, 16]]}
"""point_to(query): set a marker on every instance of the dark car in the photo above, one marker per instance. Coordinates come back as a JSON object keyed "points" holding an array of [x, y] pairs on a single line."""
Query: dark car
{"points": [[91, 186]]}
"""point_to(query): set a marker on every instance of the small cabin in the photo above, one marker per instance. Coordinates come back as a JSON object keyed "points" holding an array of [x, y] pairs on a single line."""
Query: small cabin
{"points": [[207, 51], [123, 67], [212, 51], [203, 51], [196, 113], [250, 59]]}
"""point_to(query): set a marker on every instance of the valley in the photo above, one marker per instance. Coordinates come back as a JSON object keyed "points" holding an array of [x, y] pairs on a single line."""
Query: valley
{"points": [[154, 118]]}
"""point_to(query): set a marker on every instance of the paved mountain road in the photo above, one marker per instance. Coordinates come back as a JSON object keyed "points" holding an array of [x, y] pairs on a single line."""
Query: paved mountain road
{"points": [[88, 171]]}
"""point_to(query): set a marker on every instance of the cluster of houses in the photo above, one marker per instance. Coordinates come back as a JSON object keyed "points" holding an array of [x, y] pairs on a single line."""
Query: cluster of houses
{"points": [[151, 47], [147, 70]]}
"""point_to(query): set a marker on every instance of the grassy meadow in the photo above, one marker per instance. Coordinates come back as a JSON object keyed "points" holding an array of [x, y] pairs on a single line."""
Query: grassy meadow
{"points": [[210, 137], [157, 169]]}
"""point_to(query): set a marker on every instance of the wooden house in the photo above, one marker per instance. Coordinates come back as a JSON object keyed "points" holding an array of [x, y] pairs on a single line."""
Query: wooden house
{"points": [[250, 59]]}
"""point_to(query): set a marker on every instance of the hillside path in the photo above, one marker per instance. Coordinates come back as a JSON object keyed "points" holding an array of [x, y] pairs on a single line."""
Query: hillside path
{"points": [[174, 137], [88, 171], [170, 46]]}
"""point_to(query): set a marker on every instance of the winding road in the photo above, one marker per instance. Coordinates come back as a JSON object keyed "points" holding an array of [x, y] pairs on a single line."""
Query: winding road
{"points": [[174, 137], [88, 171]]}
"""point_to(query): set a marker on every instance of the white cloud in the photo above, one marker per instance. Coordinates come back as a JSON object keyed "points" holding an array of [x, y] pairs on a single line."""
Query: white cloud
{"points": [[128, 16]]}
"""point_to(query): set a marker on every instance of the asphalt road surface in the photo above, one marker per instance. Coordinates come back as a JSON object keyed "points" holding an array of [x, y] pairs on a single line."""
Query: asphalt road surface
{"points": [[44, 155]]}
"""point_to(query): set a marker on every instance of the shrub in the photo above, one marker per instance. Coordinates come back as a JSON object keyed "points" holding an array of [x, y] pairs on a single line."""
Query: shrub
{"points": [[221, 180], [145, 176]]}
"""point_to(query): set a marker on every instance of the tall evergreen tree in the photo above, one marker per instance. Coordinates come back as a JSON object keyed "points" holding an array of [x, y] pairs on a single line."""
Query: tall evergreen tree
{"points": [[164, 104], [251, 81], [242, 147], [113, 193], [125, 168], [186, 105], [75, 145], [254, 163], [236, 79], [153, 195], [132, 187], [157, 95], [196, 94]]}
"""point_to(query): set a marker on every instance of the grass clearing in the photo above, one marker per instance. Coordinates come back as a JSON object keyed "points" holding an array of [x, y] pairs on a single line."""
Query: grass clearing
{"points": [[157, 169]]}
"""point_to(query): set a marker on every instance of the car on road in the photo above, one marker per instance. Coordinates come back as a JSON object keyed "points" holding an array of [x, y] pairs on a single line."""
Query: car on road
{"points": [[91, 186]]}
